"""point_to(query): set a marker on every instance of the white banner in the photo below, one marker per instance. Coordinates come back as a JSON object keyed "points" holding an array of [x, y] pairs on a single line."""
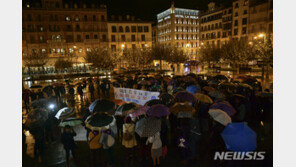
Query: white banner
{"points": [[134, 95]]}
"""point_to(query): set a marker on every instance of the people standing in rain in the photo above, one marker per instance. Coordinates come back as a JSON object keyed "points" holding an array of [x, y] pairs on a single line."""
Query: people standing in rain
{"points": [[164, 136], [57, 93], [26, 99], [98, 84], [156, 148], [91, 90], [40, 94], [67, 139], [95, 146], [129, 139], [103, 87], [107, 89], [80, 92]]}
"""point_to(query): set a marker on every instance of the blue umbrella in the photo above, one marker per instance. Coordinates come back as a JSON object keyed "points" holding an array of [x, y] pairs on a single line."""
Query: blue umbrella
{"points": [[239, 137], [192, 89]]}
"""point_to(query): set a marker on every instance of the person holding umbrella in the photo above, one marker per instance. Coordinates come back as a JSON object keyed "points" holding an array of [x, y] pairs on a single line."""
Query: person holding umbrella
{"points": [[156, 148], [129, 139], [67, 139], [95, 145]]}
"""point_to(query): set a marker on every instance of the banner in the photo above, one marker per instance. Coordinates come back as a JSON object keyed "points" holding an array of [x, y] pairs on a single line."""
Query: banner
{"points": [[134, 95]]}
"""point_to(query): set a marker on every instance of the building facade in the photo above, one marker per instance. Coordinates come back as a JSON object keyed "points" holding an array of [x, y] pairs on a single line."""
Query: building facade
{"points": [[211, 25], [179, 27], [57, 28], [243, 19]]}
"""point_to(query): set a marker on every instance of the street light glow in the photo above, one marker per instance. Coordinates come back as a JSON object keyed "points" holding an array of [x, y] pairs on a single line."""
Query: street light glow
{"points": [[261, 35], [255, 37], [187, 45], [51, 106], [122, 46]]}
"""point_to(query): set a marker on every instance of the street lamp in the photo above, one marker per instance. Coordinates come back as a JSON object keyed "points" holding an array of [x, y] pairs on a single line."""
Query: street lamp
{"points": [[122, 46], [188, 45]]}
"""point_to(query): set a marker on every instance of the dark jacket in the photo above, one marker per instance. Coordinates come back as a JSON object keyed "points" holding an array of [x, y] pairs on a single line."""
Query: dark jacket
{"points": [[68, 140]]}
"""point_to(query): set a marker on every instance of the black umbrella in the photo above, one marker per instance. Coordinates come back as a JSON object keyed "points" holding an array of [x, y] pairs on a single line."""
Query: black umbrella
{"points": [[99, 121], [167, 99], [153, 102], [103, 106], [125, 108]]}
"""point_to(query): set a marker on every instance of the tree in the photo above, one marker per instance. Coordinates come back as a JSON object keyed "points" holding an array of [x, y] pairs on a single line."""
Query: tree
{"points": [[210, 54], [35, 60], [161, 53], [264, 53], [65, 62], [177, 56], [138, 57], [101, 58], [237, 52]]}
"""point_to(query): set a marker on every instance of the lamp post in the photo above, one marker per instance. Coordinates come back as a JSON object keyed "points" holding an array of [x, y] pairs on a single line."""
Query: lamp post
{"points": [[122, 48]]}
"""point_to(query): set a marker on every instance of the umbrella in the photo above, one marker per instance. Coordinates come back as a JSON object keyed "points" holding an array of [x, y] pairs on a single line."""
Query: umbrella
{"points": [[125, 108], [158, 110], [193, 88], [239, 137], [178, 89], [119, 102], [203, 98], [185, 96], [220, 116], [220, 77], [39, 103], [182, 110], [103, 106], [239, 97], [147, 127], [217, 95], [191, 75], [142, 110], [208, 88], [100, 121], [153, 102], [244, 85], [70, 122], [167, 99], [224, 106], [64, 113]]}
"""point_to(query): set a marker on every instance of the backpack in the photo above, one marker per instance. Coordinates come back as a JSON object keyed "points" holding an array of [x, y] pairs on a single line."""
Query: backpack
{"points": [[127, 136]]}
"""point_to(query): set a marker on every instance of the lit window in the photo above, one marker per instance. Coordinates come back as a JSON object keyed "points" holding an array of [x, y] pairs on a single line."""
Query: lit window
{"points": [[80, 50], [88, 49], [62, 50], [59, 50], [43, 51], [71, 50], [68, 18]]}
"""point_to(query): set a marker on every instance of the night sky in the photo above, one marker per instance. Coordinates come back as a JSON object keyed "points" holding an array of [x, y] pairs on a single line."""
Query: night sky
{"points": [[145, 9]]}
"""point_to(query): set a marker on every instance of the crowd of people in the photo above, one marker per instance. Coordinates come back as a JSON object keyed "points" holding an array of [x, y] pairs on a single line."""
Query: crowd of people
{"points": [[186, 133]]}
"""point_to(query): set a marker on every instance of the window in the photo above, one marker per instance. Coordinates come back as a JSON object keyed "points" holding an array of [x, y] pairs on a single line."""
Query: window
{"points": [[78, 38], [68, 27], [134, 29], [102, 17], [43, 50], [104, 38], [218, 35], [95, 36], [41, 38], [244, 21], [127, 29], [113, 38], [244, 30], [235, 23], [229, 11], [76, 18], [32, 39], [133, 46], [77, 27], [120, 29], [146, 29], [86, 36], [133, 38], [68, 18], [29, 18], [94, 18], [85, 17], [143, 37], [236, 14], [235, 31], [123, 38], [246, 2], [113, 48], [56, 18], [236, 5], [245, 11], [140, 29], [113, 29]]}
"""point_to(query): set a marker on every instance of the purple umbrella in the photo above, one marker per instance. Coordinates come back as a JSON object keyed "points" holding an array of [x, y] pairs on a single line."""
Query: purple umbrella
{"points": [[158, 110], [224, 106], [139, 111], [185, 96]]}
